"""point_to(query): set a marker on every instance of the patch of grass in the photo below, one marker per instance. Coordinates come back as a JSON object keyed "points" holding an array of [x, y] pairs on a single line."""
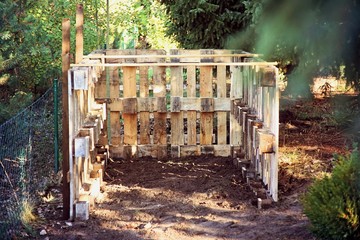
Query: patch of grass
{"points": [[27, 215]]}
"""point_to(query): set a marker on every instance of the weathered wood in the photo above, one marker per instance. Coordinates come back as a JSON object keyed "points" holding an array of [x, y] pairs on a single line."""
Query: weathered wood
{"points": [[236, 91], [129, 105], [221, 150], [206, 119], [116, 105], [79, 49], [268, 78], [266, 141], [175, 104], [170, 64], [235, 131], [191, 114], [130, 119], [177, 117], [190, 150], [114, 82], [82, 147], [175, 151], [161, 106], [191, 99], [115, 128], [207, 105], [160, 115], [144, 107], [65, 54], [221, 116]]}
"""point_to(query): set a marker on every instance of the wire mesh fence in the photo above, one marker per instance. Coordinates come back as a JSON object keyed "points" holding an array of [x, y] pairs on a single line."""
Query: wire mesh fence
{"points": [[26, 162]]}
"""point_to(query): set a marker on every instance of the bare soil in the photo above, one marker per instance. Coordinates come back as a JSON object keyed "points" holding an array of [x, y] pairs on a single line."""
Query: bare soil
{"points": [[205, 197]]}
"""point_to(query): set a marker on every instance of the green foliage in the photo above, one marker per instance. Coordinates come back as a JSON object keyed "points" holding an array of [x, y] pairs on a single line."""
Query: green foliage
{"points": [[333, 203], [138, 24], [16, 103], [307, 38], [204, 24]]}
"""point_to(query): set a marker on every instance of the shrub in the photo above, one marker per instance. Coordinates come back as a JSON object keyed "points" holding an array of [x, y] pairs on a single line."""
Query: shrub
{"points": [[332, 203]]}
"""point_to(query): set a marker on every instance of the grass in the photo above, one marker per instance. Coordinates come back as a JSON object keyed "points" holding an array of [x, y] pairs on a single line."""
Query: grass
{"points": [[27, 215]]}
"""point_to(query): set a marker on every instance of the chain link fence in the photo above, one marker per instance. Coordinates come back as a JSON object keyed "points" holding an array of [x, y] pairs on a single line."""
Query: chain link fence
{"points": [[26, 163]]}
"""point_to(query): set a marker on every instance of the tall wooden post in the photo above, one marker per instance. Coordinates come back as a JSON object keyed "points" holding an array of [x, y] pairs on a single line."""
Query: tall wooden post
{"points": [[79, 33], [65, 54]]}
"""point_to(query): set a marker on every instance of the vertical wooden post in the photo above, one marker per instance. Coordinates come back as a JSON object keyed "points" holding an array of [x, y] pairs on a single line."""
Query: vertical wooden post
{"points": [[206, 118], [114, 92], [144, 116], [177, 118], [221, 116], [65, 54], [191, 115], [236, 92], [160, 137], [130, 120], [79, 33]]}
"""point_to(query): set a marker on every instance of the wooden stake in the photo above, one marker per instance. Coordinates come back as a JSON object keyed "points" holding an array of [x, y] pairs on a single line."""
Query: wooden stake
{"points": [[65, 54], [79, 33]]}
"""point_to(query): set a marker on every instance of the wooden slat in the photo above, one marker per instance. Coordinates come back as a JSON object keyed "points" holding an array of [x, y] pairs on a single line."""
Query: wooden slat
{"points": [[177, 119], [114, 83], [206, 119], [190, 150], [171, 64], [115, 128], [145, 115], [236, 83], [222, 150], [191, 115], [130, 120], [159, 117], [221, 116]]}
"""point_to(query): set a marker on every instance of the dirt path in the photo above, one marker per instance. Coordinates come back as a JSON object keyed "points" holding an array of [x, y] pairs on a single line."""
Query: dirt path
{"points": [[204, 198], [194, 198]]}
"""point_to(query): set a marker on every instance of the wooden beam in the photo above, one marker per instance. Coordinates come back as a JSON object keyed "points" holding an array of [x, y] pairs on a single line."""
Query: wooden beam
{"points": [[79, 33], [191, 115], [65, 55], [160, 137], [172, 64], [206, 118], [221, 116], [130, 120], [177, 116]]}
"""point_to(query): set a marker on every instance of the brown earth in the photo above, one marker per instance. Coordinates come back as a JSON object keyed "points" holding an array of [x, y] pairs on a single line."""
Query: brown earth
{"points": [[205, 197]]}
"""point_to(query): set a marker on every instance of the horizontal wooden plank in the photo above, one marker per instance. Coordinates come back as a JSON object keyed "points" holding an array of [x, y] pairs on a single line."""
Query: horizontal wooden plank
{"points": [[170, 64], [116, 105], [185, 104], [190, 150]]}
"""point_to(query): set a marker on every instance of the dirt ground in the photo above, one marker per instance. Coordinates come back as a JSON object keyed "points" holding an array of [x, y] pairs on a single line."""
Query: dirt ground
{"points": [[205, 198]]}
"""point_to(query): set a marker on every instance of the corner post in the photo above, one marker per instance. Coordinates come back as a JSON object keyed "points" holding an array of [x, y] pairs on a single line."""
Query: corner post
{"points": [[65, 54], [79, 33]]}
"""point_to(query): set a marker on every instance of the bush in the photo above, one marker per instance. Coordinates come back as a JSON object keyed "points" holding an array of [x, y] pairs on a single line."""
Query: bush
{"points": [[333, 203]]}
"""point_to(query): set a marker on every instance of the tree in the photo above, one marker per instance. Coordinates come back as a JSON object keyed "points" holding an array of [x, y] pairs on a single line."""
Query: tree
{"points": [[204, 24], [308, 38], [30, 48], [138, 24]]}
